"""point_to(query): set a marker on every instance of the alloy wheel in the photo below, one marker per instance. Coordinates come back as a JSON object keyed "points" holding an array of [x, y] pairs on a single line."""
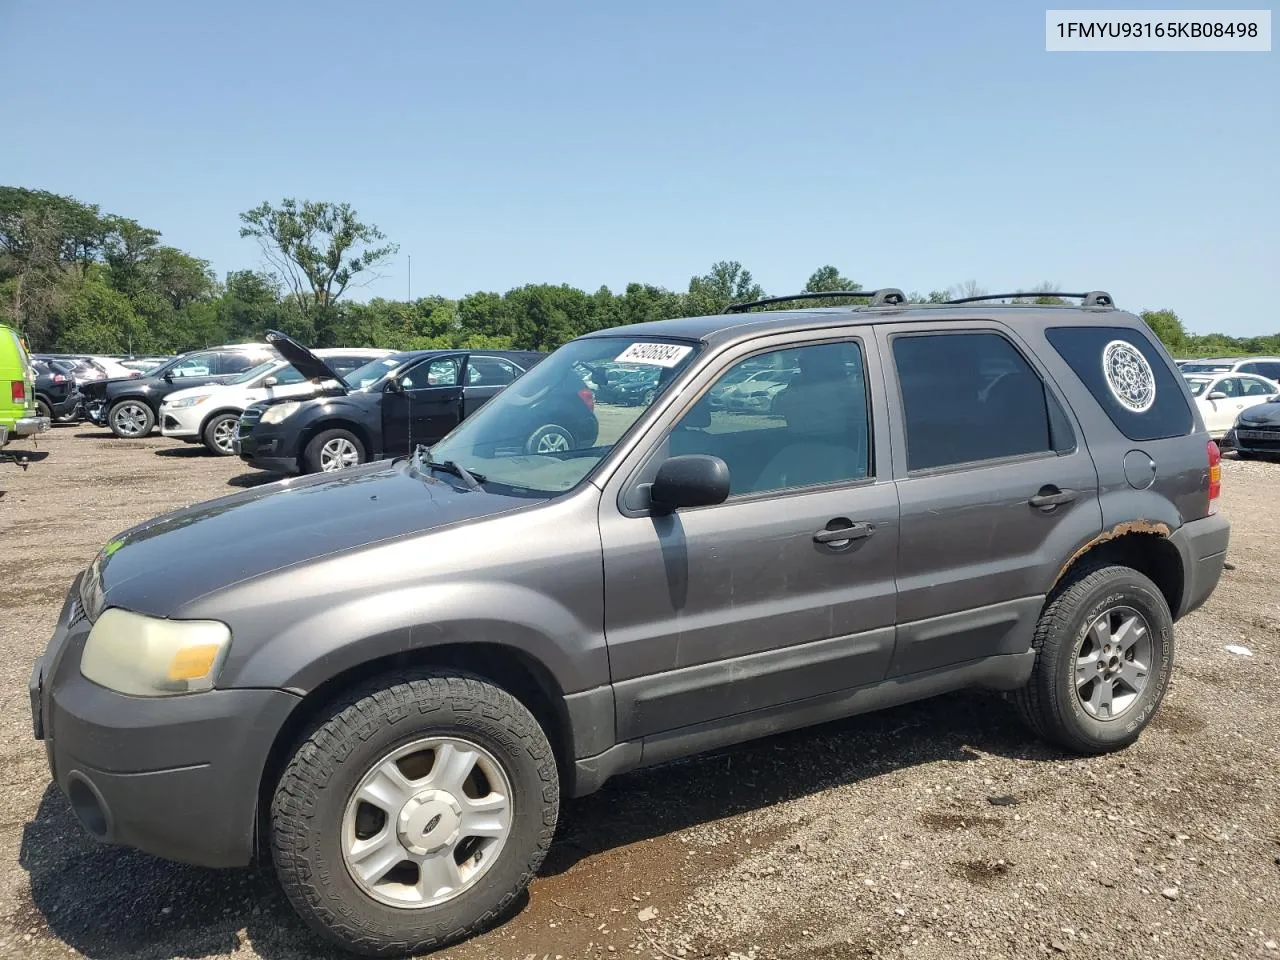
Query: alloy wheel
{"points": [[1113, 663]]}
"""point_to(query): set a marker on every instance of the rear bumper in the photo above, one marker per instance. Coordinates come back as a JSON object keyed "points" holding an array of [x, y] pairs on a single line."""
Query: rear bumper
{"points": [[1202, 544], [67, 406], [29, 426]]}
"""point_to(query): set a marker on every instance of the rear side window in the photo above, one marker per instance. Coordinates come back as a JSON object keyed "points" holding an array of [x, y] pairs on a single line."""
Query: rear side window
{"points": [[970, 397], [1128, 377]]}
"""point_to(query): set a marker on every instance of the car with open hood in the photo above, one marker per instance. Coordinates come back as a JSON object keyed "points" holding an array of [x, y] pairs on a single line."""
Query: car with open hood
{"points": [[210, 414], [391, 404], [130, 405], [390, 676]]}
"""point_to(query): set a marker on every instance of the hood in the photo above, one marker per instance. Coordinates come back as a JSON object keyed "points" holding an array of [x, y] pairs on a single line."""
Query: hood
{"points": [[1262, 413], [161, 566], [303, 360]]}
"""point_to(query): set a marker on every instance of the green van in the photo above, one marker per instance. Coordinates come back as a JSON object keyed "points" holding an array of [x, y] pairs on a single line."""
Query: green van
{"points": [[17, 390]]}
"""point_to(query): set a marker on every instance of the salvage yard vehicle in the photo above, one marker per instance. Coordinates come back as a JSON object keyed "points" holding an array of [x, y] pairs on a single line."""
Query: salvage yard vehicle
{"points": [[1268, 367], [130, 406], [386, 407], [393, 674], [210, 414], [19, 414], [57, 396], [1221, 398], [1256, 432]]}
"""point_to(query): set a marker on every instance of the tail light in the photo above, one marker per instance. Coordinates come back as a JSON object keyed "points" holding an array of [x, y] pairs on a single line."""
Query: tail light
{"points": [[18, 391], [588, 398], [59, 378], [1215, 476]]}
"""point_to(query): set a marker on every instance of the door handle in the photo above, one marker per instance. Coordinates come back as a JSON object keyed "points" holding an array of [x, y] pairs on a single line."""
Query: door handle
{"points": [[842, 535], [1051, 496]]}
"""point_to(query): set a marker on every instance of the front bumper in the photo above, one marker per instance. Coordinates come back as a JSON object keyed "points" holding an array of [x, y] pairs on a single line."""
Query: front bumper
{"points": [[184, 422], [1202, 545], [176, 777], [266, 449], [29, 426], [1260, 438]]}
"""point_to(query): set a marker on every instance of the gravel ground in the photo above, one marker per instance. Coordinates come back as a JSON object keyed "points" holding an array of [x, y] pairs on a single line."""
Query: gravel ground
{"points": [[937, 830]]}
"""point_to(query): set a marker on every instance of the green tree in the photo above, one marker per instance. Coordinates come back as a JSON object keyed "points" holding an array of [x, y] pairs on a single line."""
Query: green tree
{"points": [[727, 282], [1166, 325], [100, 319], [829, 278], [319, 249]]}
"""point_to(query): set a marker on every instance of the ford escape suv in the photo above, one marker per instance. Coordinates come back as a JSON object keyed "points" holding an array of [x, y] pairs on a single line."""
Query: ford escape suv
{"points": [[389, 676]]}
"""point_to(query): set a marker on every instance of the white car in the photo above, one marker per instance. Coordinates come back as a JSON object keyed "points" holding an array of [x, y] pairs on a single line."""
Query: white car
{"points": [[208, 414], [1268, 367], [1221, 397]]}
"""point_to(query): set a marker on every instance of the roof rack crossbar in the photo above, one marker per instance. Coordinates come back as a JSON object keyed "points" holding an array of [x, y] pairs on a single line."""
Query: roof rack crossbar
{"points": [[886, 296], [1094, 298]]}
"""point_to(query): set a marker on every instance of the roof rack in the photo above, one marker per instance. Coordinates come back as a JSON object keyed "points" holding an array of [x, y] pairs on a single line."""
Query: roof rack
{"points": [[887, 296], [1094, 298]]}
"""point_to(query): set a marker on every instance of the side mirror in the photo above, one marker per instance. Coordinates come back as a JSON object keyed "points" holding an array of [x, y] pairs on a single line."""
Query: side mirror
{"points": [[393, 386], [1217, 395], [270, 382], [168, 377], [692, 480]]}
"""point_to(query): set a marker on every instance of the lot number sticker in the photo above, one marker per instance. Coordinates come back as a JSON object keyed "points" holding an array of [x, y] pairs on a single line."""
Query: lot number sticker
{"points": [[653, 354], [1129, 376]]}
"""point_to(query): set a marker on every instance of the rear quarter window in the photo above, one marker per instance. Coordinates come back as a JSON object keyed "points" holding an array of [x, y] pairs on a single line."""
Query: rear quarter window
{"points": [[1129, 378]]}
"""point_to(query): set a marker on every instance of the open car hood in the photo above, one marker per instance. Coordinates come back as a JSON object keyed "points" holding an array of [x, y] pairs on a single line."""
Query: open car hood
{"points": [[303, 360]]}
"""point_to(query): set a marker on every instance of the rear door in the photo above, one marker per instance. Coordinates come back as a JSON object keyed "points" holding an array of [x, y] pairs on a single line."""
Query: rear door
{"points": [[995, 485], [485, 379], [427, 406]]}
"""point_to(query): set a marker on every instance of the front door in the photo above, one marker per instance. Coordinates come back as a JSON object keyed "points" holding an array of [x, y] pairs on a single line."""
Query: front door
{"points": [[996, 488], [427, 406], [715, 612]]}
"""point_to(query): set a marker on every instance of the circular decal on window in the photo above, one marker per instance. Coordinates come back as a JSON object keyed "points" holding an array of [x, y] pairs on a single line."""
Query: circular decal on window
{"points": [[1129, 376]]}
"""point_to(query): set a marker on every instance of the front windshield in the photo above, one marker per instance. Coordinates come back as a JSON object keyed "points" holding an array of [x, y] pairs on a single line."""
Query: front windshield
{"points": [[549, 429], [371, 372], [254, 372], [1197, 385]]}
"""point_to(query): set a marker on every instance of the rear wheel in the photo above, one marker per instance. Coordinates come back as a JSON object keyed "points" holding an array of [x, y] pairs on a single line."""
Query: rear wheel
{"points": [[43, 409], [131, 419], [1104, 656], [415, 814], [550, 438], [219, 432], [332, 450]]}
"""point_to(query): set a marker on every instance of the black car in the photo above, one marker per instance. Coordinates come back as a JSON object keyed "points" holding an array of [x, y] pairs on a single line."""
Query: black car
{"points": [[130, 406], [57, 396], [391, 405]]}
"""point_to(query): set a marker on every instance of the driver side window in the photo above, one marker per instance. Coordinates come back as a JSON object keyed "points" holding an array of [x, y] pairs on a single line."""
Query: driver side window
{"points": [[784, 419], [433, 373]]}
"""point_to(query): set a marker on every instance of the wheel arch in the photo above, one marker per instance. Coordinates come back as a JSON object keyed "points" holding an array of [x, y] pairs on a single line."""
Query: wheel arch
{"points": [[214, 413], [1142, 545], [332, 421]]}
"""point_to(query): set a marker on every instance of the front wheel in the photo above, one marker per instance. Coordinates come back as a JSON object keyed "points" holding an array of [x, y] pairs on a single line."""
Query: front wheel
{"points": [[219, 432], [332, 450], [550, 438], [1104, 656], [131, 419], [415, 814]]}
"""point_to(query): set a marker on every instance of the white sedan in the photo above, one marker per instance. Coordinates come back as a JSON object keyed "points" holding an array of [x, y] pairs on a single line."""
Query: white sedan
{"points": [[1221, 397], [209, 414]]}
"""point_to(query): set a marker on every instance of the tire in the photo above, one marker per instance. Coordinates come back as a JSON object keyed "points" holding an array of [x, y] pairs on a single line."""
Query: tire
{"points": [[43, 409], [1077, 721], [332, 450], [220, 427], [131, 419], [550, 438], [313, 823]]}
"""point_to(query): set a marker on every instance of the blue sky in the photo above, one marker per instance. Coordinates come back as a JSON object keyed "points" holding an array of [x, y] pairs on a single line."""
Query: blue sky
{"points": [[911, 144]]}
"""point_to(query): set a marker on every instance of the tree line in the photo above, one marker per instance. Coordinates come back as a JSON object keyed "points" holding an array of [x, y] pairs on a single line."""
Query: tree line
{"points": [[75, 279]]}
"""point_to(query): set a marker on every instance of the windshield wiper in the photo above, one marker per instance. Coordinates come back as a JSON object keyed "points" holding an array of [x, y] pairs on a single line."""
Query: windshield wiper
{"points": [[422, 456]]}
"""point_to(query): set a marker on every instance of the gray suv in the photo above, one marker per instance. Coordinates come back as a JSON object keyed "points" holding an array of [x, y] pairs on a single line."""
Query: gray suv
{"points": [[390, 677]]}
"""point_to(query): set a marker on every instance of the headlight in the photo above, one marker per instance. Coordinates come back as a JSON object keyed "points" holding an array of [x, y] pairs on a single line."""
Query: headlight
{"points": [[150, 657], [186, 401], [280, 411]]}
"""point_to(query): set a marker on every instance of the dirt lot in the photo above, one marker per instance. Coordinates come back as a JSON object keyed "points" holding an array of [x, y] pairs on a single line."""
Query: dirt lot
{"points": [[938, 830]]}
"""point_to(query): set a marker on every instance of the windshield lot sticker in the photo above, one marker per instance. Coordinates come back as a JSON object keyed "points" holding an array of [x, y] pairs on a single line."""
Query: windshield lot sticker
{"points": [[1129, 376], [654, 354]]}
